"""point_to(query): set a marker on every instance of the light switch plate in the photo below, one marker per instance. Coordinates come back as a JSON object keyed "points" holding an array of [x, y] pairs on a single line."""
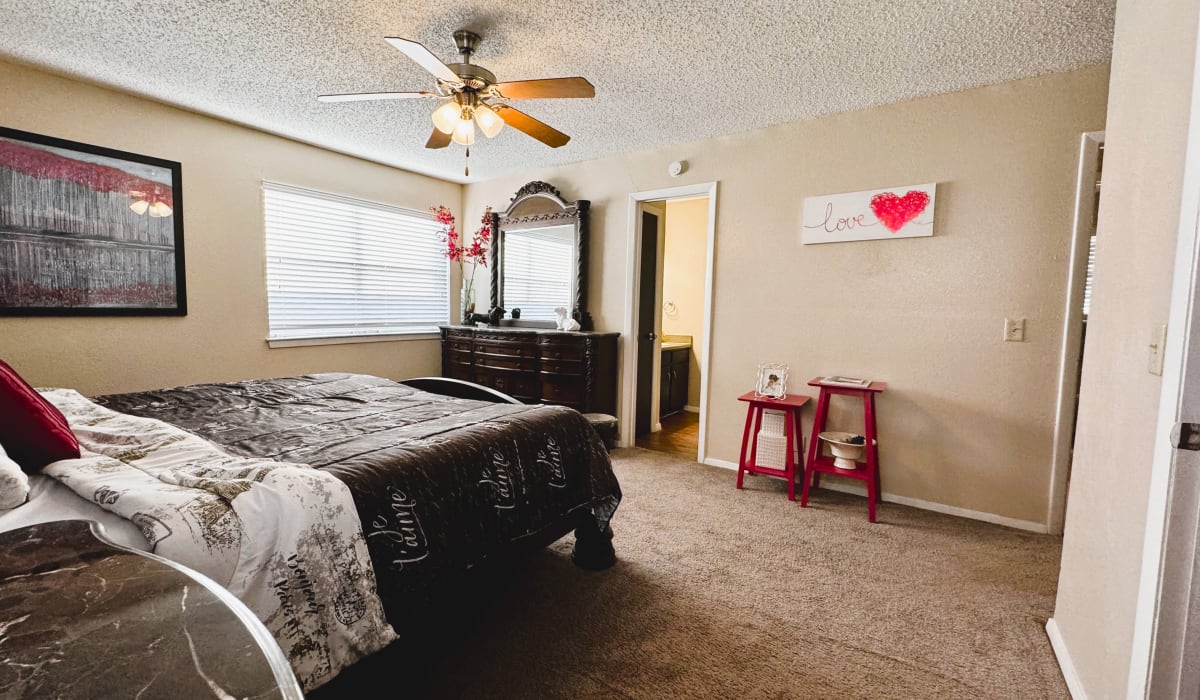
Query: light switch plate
{"points": [[1158, 343], [1014, 330]]}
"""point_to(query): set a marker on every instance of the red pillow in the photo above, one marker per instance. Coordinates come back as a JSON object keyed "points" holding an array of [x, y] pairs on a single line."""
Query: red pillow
{"points": [[34, 433]]}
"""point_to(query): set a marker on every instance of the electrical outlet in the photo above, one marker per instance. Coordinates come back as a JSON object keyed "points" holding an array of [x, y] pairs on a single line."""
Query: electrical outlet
{"points": [[1014, 330], [1158, 342]]}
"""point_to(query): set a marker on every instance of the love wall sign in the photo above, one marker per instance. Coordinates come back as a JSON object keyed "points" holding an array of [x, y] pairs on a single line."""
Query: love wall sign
{"points": [[896, 212]]}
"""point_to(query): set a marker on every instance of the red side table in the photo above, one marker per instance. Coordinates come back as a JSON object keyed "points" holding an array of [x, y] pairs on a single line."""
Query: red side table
{"points": [[790, 405], [818, 464]]}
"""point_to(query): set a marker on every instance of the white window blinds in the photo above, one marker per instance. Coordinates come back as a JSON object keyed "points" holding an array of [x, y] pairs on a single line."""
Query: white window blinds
{"points": [[339, 267], [1091, 276]]}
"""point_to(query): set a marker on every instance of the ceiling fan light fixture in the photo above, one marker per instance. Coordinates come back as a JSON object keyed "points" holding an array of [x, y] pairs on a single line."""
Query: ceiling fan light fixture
{"points": [[490, 123], [464, 132], [140, 206], [446, 117], [160, 209]]}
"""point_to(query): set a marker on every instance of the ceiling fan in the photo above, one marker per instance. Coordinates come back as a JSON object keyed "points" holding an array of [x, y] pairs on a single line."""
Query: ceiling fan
{"points": [[473, 96]]}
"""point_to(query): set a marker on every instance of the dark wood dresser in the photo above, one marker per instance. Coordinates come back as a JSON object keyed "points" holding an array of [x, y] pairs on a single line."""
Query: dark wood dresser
{"points": [[535, 365]]}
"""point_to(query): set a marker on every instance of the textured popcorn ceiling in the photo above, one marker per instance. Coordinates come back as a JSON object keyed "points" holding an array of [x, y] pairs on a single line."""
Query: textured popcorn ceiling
{"points": [[665, 72]]}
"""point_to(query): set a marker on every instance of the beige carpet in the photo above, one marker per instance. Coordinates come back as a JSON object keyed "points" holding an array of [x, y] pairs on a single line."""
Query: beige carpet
{"points": [[720, 593]]}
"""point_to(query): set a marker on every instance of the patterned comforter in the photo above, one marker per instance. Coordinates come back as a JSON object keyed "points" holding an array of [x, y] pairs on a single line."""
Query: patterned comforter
{"points": [[284, 538], [440, 484]]}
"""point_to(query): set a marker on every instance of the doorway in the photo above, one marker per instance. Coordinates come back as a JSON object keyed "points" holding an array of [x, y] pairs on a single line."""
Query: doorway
{"points": [[1079, 287], [668, 320]]}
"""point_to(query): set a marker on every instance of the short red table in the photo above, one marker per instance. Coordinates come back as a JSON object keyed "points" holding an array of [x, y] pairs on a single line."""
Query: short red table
{"points": [[790, 405], [818, 464]]}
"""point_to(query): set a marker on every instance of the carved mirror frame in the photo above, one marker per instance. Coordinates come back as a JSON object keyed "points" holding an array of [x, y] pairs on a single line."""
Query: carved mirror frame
{"points": [[559, 213]]}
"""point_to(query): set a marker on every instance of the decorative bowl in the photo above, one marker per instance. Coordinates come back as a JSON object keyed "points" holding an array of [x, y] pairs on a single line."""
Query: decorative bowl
{"points": [[845, 453]]}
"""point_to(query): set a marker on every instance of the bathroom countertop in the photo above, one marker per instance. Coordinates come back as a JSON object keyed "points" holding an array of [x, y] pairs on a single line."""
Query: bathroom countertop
{"points": [[676, 342]]}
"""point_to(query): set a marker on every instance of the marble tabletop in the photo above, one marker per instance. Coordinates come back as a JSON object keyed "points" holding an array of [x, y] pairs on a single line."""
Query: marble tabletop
{"points": [[83, 618]]}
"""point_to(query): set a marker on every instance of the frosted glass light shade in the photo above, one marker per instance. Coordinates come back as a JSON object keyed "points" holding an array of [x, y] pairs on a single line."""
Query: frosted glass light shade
{"points": [[490, 123], [160, 209], [464, 133], [139, 207], [446, 117]]}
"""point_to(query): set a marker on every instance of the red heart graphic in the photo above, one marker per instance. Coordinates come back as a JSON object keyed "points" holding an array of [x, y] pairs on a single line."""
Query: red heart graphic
{"points": [[893, 212]]}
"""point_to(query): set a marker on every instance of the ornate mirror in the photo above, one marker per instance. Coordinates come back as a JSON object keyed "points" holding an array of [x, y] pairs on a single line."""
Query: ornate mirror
{"points": [[539, 260]]}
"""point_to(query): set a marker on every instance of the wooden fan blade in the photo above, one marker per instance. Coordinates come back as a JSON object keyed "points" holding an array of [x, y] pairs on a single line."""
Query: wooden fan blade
{"points": [[424, 57], [438, 140], [547, 88], [357, 96], [523, 122]]}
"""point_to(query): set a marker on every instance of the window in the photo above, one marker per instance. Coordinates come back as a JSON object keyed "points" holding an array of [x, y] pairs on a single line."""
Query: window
{"points": [[342, 267]]}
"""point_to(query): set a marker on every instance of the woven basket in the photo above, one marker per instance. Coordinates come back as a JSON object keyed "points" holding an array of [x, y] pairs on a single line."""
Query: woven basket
{"points": [[771, 450], [772, 423]]}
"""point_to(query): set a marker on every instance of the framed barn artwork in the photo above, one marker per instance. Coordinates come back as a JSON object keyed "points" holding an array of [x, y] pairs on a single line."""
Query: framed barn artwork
{"points": [[88, 231], [870, 215]]}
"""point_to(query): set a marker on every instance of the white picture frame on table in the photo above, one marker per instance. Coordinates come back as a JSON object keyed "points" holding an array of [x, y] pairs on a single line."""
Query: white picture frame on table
{"points": [[771, 381]]}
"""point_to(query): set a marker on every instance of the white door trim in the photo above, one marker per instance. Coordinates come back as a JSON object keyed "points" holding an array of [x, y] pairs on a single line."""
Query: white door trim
{"points": [[1069, 356], [627, 409], [1160, 634]]}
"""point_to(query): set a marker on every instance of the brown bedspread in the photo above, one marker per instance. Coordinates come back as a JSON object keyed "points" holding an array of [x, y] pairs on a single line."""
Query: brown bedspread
{"points": [[441, 484]]}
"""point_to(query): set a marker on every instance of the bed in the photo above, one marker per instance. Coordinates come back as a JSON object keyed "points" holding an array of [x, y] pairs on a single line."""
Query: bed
{"points": [[439, 484]]}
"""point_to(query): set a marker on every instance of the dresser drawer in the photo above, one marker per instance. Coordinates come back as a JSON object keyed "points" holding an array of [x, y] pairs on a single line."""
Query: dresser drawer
{"points": [[552, 350], [525, 364], [505, 348], [557, 390], [565, 367], [515, 384], [454, 355]]}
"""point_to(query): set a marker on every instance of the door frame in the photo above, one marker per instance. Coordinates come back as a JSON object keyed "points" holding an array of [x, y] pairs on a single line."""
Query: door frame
{"points": [[633, 264], [1070, 356]]}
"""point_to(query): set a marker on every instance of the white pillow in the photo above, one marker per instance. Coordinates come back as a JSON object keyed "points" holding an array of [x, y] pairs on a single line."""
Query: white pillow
{"points": [[14, 483]]}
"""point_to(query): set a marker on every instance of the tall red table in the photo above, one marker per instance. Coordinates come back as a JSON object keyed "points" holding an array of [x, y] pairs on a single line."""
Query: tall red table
{"points": [[818, 464], [790, 405]]}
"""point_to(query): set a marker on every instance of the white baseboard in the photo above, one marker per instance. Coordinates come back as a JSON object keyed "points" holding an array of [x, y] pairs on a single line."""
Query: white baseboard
{"points": [[692, 409], [858, 490], [1074, 685], [714, 462]]}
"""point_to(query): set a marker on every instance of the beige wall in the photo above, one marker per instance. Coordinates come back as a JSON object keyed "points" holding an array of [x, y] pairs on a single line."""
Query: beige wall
{"points": [[222, 337], [967, 419], [684, 258], [1145, 138]]}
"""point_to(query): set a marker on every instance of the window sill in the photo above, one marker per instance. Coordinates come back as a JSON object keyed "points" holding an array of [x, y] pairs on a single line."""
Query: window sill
{"points": [[346, 339]]}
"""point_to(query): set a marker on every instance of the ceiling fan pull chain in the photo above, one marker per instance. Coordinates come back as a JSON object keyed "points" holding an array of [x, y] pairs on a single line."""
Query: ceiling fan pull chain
{"points": [[467, 168]]}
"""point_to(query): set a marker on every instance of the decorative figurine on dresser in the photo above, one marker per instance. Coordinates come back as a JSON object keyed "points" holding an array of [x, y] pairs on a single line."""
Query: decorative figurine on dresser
{"points": [[539, 280]]}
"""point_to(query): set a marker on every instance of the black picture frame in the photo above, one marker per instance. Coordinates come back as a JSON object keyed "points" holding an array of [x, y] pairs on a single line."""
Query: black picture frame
{"points": [[88, 231]]}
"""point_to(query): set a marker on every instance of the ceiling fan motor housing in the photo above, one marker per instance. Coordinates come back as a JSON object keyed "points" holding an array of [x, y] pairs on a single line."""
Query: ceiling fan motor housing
{"points": [[474, 77]]}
